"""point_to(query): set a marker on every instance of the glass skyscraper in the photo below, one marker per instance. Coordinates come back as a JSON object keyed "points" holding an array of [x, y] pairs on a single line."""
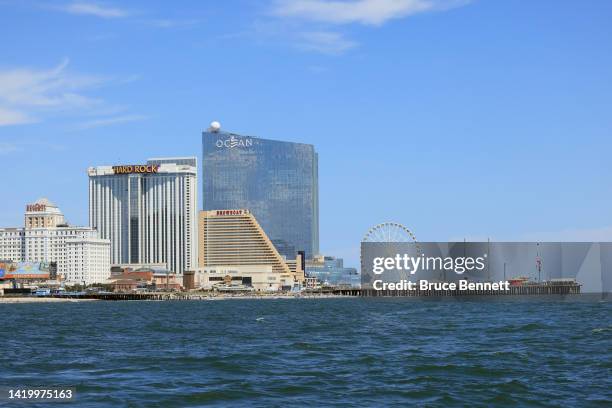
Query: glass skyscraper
{"points": [[277, 181]]}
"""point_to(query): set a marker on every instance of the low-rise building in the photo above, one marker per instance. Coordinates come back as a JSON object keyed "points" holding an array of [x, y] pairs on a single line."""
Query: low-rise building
{"points": [[124, 285], [330, 271], [146, 277], [257, 277]]}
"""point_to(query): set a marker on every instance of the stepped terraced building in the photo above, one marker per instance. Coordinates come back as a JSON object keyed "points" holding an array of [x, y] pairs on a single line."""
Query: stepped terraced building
{"points": [[234, 239]]}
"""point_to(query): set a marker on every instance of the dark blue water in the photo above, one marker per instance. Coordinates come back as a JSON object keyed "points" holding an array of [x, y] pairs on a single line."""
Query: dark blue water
{"points": [[328, 352]]}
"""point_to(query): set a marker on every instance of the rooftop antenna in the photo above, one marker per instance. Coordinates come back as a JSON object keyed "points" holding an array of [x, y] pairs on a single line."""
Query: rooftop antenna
{"points": [[488, 258], [539, 263]]}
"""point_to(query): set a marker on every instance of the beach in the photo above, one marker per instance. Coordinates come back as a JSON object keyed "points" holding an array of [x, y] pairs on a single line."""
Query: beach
{"points": [[32, 299]]}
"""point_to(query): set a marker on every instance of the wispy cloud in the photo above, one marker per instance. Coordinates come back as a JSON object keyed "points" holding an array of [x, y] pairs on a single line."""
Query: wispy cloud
{"points": [[326, 42], [44, 88], [173, 23], [104, 10], [317, 69], [25, 92], [29, 95], [108, 121], [12, 117], [6, 148], [314, 20], [369, 12], [94, 9], [26, 146]]}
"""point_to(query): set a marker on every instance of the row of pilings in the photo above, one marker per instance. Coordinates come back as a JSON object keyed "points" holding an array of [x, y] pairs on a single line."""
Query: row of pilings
{"points": [[522, 290]]}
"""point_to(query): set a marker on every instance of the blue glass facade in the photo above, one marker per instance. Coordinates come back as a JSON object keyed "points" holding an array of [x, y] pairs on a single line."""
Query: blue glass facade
{"points": [[277, 181]]}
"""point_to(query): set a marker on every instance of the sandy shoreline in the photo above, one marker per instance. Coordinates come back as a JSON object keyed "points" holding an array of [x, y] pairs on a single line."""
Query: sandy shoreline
{"points": [[275, 297], [32, 299]]}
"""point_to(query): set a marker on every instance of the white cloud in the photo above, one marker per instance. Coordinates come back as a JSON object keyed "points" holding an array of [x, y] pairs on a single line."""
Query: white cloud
{"points": [[369, 12], [110, 121], [44, 88], [6, 148], [12, 117], [326, 42], [170, 23], [26, 146], [94, 9], [317, 69], [25, 92], [28, 95], [311, 20]]}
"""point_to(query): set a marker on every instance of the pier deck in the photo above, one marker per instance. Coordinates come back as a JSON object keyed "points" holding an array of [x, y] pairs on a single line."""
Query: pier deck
{"points": [[566, 288], [547, 288]]}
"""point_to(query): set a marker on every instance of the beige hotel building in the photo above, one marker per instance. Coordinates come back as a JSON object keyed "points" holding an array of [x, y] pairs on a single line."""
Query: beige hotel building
{"points": [[80, 254], [233, 247]]}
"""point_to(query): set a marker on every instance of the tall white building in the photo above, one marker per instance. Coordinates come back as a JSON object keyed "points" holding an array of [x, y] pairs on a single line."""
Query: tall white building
{"points": [[81, 256], [148, 212]]}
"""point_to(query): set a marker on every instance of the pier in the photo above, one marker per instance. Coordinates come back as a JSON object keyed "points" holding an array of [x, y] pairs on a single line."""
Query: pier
{"points": [[542, 289], [545, 288]]}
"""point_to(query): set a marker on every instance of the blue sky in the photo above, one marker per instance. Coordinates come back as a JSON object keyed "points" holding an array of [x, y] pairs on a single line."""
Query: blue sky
{"points": [[456, 118]]}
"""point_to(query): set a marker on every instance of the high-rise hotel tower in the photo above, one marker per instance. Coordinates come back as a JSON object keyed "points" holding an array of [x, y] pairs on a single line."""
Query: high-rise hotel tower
{"points": [[276, 181], [149, 211]]}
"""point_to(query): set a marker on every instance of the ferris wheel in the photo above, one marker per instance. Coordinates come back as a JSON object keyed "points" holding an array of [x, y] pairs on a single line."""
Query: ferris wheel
{"points": [[389, 232]]}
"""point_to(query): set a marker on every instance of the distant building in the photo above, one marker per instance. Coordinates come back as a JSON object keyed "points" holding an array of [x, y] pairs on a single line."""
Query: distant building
{"points": [[277, 181], [257, 277], [77, 254], [145, 278], [124, 285], [233, 239], [43, 214], [117, 270], [148, 212], [331, 271]]}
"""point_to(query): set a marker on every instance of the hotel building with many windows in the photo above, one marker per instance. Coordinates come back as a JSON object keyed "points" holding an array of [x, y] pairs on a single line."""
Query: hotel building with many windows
{"points": [[276, 181], [80, 255], [234, 240], [147, 211]]}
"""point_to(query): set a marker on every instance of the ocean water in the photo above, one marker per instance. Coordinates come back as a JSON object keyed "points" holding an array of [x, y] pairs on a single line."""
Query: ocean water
{"points": [[304, 352]]}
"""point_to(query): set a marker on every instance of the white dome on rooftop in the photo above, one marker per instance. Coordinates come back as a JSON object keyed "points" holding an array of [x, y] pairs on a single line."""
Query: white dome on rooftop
{"points": [[215, 126]]}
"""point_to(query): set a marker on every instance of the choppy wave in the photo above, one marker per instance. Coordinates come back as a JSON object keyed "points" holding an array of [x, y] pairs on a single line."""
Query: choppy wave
{"points": [[332, 352]]}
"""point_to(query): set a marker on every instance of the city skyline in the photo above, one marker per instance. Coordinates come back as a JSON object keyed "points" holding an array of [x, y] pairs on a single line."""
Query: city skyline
{"points": [[439, 120]]}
